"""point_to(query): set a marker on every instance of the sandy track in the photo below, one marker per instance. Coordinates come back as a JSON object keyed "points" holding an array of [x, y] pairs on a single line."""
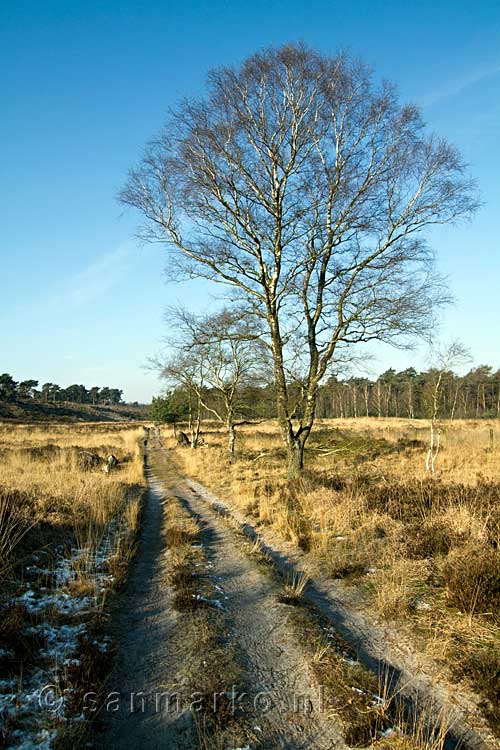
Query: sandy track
{"points": [[145, 663], [415, 690], [281, 704]]}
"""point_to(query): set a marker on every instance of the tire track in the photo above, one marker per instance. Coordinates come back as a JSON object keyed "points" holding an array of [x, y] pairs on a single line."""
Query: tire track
{"points": [[414, 695], [279, 704], [134, 717], [282, 703]]}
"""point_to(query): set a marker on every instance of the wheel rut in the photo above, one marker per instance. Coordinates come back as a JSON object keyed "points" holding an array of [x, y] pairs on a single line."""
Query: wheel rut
{"points": [[278, 700], [132, 712], [282, 702]]}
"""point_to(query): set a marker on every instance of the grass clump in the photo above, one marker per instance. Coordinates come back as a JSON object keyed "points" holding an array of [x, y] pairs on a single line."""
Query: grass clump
{"points": [[472, 580], [350, 692], [481, 665], [295, 583]]}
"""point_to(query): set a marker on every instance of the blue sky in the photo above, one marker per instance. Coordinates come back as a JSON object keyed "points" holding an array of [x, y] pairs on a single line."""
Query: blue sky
{"points": [[84, 84]]}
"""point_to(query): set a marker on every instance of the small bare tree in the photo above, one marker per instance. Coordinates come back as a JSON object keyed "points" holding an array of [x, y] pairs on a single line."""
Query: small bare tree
{"points": [[228, 353], [189, 373], [445, 359], [306, 189]]}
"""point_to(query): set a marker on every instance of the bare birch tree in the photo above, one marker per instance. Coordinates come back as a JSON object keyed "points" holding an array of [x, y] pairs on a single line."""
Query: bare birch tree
{"points": [[227, 351], [307, 188], [445, 358]]}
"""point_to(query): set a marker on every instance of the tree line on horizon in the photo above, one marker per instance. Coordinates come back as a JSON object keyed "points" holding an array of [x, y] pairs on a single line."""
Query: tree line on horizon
{"points": [[407, 394], [28, 390], [474, 395]]}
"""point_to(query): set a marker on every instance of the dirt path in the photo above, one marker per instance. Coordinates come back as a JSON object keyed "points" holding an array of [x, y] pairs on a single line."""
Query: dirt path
{"points": [[281, 707], [145, 666], [281, 704]]}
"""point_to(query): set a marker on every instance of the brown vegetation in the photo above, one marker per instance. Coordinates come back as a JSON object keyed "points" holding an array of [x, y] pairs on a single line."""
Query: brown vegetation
{"points": [[419, 551], [67, 532]]}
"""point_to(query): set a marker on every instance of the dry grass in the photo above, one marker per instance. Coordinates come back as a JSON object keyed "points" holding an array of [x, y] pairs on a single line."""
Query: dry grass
{"points": [[15, 522], [41, 484], [293, 589], [53, 514], [351, 693], [421, 551]]}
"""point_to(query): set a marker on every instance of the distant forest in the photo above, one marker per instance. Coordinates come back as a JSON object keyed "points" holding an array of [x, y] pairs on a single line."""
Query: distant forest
{"points": [[27, 390], [407, 394]]}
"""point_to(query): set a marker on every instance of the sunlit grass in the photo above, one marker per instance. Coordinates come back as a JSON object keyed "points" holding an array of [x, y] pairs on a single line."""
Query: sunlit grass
{"points": [[422, 552]]}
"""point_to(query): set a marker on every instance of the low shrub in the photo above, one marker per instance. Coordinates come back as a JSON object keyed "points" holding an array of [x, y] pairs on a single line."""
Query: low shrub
{"points": [[429, 539], [472, 579], [482, 667]]}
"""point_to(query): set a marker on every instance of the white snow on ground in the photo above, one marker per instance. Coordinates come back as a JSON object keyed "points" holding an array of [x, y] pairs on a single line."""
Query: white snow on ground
{"points": [[64, 603], [22, 700]]}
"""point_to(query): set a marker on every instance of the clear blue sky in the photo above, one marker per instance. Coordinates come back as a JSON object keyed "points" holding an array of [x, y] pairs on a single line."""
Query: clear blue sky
{"points": [[85, 84]]}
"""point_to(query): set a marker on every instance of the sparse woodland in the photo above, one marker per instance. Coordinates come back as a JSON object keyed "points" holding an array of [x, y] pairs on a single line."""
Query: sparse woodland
{"points": [[475, 395]]}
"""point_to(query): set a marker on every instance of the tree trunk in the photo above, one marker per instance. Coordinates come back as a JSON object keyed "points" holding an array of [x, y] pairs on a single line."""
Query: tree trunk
{"points": [[453, 408], [294, 440], [190, 416], [231, 433], [196, 426], [411, 413], [295, 457], [465, 400]]}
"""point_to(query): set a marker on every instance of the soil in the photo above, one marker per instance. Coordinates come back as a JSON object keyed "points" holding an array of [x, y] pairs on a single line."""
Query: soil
{"points": [[284, 703], [145, 665]]}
